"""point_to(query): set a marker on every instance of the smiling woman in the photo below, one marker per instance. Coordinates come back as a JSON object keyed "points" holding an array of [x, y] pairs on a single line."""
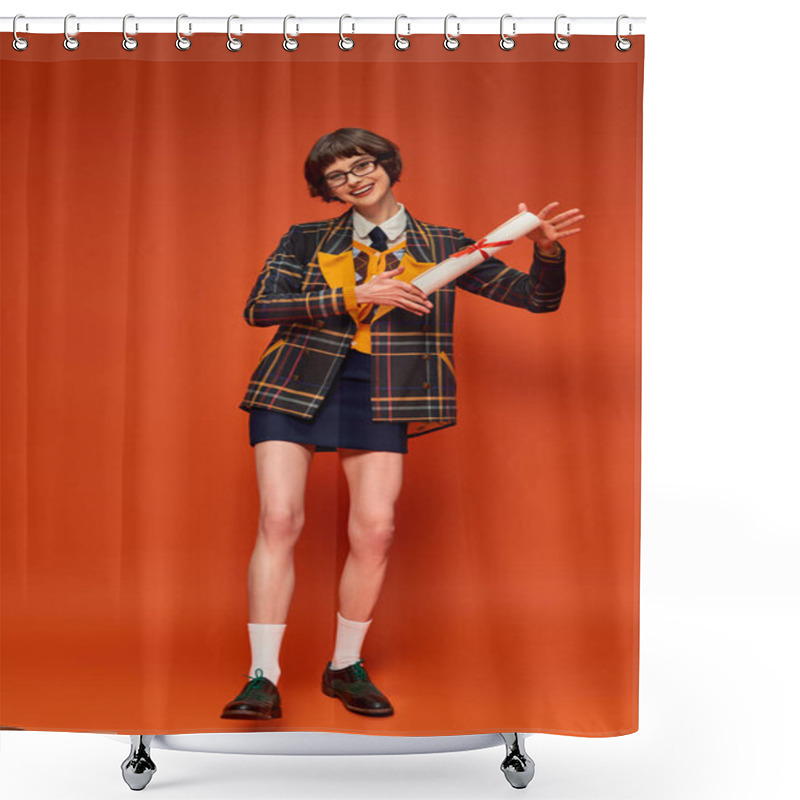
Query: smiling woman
{"points": [[349, 378]]}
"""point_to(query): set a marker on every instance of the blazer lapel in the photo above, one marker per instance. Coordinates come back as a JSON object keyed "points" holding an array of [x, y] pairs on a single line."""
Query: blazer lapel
{"points": [[339, 236], [418, 241]]}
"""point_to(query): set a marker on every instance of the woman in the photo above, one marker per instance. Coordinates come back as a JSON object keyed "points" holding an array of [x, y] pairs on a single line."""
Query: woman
{"points": [[362, 360]]}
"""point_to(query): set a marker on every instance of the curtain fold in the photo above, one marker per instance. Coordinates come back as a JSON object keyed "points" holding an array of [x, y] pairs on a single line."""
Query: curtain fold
{"points": [[141, 193]]}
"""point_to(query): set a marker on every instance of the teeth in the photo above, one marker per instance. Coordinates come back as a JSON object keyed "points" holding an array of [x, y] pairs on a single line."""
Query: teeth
{"points": [[362, 191]]}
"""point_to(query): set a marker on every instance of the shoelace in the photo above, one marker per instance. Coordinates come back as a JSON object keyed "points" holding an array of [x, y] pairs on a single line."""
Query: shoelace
{"points": [[254, 682], [360, 671]]}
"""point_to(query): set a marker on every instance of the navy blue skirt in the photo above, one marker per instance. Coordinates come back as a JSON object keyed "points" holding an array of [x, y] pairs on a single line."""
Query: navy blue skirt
{"points": [[343, 420]]}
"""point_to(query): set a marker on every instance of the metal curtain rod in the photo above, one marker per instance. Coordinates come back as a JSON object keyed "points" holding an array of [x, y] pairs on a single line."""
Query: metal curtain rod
{"points": [[408, 26]]}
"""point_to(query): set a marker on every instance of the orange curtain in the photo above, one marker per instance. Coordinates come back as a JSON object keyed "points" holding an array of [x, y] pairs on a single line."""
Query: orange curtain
{"points": [[141, 193]]}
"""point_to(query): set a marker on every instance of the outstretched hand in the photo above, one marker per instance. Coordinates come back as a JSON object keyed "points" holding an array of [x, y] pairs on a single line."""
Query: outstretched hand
{"points": [[553, 228]]}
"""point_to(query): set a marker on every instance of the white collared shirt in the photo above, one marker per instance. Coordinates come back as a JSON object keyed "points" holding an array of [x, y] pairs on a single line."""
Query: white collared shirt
{"points": [[394, 227]]}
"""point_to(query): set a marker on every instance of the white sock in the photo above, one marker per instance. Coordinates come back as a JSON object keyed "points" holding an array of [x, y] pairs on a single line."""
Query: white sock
{"points": [[349, 638], [265, 644]]}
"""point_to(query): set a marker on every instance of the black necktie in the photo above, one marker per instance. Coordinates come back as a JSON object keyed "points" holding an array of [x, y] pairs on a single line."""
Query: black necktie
{"points": [[378, 238]]}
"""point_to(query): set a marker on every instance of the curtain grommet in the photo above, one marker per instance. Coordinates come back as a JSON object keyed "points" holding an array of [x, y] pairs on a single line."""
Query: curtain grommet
{"points": [[71, 42], [182, 42], [345, 42], [18, 42], [290, 44], [507, 42], [129, 42], [623, 45], [234, 43], [560, 43], [401, 43], [451, 42]]}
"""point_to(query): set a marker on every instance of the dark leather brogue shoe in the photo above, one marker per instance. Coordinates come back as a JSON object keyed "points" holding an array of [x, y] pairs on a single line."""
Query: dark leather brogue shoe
{"points": [[354, 688], [258, 700]]}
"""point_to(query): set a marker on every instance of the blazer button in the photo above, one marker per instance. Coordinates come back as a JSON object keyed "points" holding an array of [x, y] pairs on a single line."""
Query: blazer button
{"points": [[295, 377], [426, 356], [320, 323], [426, 385], [425, 328]]}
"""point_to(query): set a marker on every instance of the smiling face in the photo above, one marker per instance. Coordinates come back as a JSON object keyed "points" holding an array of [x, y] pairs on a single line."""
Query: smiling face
{"points": [[370, 194]]}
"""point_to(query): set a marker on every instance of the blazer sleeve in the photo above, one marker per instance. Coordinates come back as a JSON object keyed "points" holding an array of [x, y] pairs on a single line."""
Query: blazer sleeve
{"points": [[276, 297], [539, 290]]}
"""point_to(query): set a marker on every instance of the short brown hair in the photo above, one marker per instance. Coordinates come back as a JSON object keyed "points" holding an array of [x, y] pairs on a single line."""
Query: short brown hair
{"points": [[343, 143]]}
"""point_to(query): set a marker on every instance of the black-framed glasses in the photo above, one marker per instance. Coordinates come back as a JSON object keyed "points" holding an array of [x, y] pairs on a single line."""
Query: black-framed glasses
{"points": [[362, 168]]}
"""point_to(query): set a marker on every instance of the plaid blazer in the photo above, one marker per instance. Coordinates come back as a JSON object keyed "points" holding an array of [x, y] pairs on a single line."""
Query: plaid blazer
{"points": [[307, 288]]}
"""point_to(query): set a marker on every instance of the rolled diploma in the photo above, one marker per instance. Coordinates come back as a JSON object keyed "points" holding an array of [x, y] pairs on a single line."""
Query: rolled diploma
{"points": [[464, 260]]}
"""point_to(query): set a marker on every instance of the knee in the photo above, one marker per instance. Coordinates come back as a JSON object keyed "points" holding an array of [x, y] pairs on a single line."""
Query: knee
{"points": [[280, 526], [373, 535]]}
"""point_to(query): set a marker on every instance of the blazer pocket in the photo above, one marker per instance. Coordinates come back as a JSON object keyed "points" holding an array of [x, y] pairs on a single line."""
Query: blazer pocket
{"points": [[275, 345], [444, 357]]}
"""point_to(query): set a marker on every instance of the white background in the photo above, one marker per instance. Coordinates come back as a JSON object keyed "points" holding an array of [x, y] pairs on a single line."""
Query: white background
{"points": [[719, 599]]}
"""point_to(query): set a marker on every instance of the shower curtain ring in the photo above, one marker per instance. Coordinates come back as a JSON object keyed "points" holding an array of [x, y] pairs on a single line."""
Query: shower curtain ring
{"points": [[289, 42], [182, 43], [70, 42], [401, 43], [506, 42], [234, 44], [345, 42], [451, 42], [560, 42], [623, 44], [19, 43], [129, 42]]}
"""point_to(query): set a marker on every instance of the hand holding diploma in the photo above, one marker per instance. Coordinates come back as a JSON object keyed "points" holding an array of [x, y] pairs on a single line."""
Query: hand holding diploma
{"points": [[543, 229], [550, 229]]}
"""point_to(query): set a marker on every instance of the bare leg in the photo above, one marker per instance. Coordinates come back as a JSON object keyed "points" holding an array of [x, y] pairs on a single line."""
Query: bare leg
{"points": [[282, 470], [374, 480]]}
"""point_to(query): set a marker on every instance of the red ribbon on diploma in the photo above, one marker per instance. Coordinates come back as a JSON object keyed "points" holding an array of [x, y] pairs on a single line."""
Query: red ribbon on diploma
{"points": [[479, 245]]}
